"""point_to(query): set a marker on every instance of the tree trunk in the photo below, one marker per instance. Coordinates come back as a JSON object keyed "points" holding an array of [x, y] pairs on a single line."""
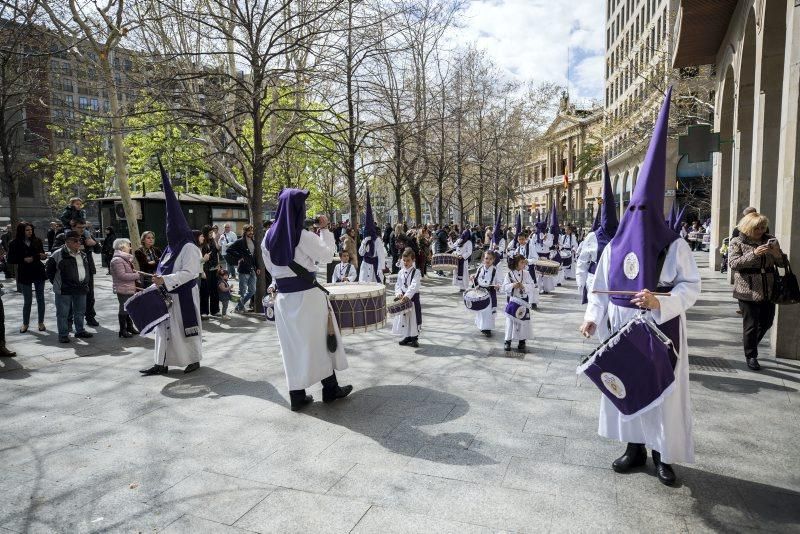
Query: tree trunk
{"points": [[351, 119]]}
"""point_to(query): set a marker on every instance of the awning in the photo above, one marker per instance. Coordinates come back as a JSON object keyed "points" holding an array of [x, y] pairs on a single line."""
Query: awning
{"points": [[700, 27]]}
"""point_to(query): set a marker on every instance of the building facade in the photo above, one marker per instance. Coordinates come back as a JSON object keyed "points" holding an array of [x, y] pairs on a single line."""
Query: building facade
{"points": [[755, 45], [571, 146]]}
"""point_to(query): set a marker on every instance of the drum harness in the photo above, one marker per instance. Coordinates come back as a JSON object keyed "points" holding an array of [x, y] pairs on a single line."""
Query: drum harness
{"points": [[304, 274]]}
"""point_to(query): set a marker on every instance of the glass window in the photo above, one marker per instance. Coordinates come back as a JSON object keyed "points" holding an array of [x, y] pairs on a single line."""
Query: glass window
{"points": [[106, 106], [83, 102], [68, 101], [128, 65], [95, 105]]}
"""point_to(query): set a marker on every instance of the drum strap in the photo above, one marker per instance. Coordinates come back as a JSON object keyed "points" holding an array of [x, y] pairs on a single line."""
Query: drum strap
{"points": [[303, 273]]}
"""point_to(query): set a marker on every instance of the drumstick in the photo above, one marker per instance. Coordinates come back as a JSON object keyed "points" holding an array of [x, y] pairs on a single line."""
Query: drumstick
{"points": [[599, 292]]}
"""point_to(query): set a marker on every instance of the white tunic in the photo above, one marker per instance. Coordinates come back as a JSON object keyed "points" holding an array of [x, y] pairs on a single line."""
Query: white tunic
{"points": [[502, 267], [668, 427], [465, 251], [302, 317], [366, 273], [528, 251], [484, 319], [586, 255], [407, 285], [570, 243], [517, 330], [344, 270], [172, 347], [543, 251]]}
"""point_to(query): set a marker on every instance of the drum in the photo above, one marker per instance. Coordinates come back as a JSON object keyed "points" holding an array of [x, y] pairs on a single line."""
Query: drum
{"points": [[546, 267], [358, 307], [397, 307], [444, 262], [707, 238], [518, 309], [694, 236], [149, 308], [477, 299], [268, 303], [634, 368], [565, 256]]}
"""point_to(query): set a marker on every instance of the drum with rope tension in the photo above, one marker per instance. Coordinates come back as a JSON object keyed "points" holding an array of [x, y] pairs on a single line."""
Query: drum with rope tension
{"points": [[477, 299], [546, 267], [444, 262], [358, 307]]}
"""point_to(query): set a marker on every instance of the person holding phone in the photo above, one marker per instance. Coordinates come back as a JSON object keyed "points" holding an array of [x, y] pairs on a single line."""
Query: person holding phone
{"points": [[753, 256]]}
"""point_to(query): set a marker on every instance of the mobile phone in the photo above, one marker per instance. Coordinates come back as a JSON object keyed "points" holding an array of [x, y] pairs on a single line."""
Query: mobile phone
{"points": [[772, 242]]}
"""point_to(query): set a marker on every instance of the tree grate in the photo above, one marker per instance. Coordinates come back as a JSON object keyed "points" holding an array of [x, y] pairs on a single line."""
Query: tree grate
{"points": [[709, 363]]}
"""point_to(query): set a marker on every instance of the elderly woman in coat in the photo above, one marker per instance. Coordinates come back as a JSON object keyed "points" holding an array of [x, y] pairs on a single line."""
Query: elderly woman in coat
{"points": [[123, 280]]}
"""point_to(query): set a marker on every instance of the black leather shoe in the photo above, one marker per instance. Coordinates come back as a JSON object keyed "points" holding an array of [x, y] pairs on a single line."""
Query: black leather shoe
{"points": [[339, 392], [299, 399], [635, 456], [534, 306], [405, 341], [131, 327], [5, 353], [155, 370], [752, 363], [91, 321], [521, 347], [63, 339], [192, 367], [84, 335], [414, 342], [664, 471], [487, 333], [507, 346]]}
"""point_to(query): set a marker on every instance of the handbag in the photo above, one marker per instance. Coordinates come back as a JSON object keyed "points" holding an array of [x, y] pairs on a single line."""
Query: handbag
{"points": [[785, 289]]}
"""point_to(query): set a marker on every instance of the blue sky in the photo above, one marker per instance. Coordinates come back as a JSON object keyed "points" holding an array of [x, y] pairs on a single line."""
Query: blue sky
{"points": [[529, 39]]}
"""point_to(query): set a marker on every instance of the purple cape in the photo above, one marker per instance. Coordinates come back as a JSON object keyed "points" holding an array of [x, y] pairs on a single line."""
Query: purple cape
{"points": [[497, 234], [284, 234]]}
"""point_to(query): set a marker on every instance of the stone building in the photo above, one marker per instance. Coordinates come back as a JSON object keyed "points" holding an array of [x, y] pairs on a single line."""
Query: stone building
{"points": [[755, 46], [574, 133]]}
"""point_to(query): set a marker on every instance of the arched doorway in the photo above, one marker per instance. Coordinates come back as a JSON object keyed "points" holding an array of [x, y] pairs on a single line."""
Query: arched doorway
{"points": [[744, 117], [773, 52]]}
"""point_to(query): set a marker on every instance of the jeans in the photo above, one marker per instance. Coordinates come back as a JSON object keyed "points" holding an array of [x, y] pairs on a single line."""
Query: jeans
{"points": [[247, 289], [27, 295], [66, 304], [757, 318]]}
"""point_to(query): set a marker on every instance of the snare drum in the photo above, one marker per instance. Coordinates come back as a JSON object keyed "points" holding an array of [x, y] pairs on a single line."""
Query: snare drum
{"points": [[444, 262], [477, 299], [565, 256], [358, 307], [634, 368], [398, 307], [546, 267], [148, 308], [516, 308], [268, 303]]}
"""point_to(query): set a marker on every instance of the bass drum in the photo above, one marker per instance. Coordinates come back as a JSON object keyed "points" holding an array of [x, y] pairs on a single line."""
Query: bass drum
{"points": [[358, 307]]}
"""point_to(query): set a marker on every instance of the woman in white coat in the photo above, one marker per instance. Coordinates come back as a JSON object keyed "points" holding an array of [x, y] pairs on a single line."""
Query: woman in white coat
{"points": [[311, 345]]}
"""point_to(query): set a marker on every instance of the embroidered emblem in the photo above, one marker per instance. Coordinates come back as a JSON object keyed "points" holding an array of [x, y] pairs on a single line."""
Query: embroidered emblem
{"points": [[613, 384], [631, 266]]}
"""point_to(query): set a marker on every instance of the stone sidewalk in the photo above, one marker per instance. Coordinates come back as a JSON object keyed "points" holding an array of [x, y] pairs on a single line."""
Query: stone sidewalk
{"points": [[454, 436]]}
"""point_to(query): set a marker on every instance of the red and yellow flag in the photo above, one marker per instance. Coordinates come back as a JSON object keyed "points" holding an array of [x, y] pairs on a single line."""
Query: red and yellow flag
{"points": [[566, 179]]}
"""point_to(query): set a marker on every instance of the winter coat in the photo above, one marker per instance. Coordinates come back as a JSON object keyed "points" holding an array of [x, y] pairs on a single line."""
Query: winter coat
{"points": [[27, 273], [62, 271], [753, 276], [123, 277]]}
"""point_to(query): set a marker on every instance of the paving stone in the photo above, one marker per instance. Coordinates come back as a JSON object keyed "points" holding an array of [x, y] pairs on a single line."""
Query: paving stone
{"points": [[189, 524], [388, 521]]}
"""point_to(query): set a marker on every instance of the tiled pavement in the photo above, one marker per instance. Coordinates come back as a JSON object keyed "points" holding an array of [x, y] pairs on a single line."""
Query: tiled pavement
{"points": [[450, 437]]}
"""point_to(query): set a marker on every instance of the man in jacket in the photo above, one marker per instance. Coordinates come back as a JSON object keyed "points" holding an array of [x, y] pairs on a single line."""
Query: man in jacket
{"points": [[68, 271], [88, 245], [241, 253]]}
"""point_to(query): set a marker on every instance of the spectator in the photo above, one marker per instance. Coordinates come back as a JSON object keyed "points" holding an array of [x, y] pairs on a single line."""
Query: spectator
{"points": [[349, 243], [108, 248], [441, 240], [337, 234], [147, 257], [424, 250], [74, 210], [26, 251], [753, 256], [209, 296], [4, 352], [748, 210], [224, 293], [52, 232], [387, 235], [5, 240], [226, 239], [68, 271], [243, 253], [88, 245], [123, 281]]}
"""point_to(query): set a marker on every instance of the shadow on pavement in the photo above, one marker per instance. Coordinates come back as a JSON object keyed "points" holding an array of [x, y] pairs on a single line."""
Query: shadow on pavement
{"points": [[729, 384], [211, 383], [11, 364]]}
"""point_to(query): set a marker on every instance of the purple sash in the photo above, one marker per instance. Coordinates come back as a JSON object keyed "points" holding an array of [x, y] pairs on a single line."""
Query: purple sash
{"points": [[292, 284], [460, 267], [585, 296], [189, 314]]}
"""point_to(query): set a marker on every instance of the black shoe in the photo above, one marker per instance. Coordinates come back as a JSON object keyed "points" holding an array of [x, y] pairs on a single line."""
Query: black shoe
{"points": [[753, 364], [521, 346], [91, 321], [487, 333], [414, 342], [84, 335], [192, 367], [507, 346], [125, 333], [664, 471], [534, 306], [155, 370], [5, 353], [299, 399], [63, 339], [635, 456], [130, 327], [405, 341], [339, 392], [123, 325]]}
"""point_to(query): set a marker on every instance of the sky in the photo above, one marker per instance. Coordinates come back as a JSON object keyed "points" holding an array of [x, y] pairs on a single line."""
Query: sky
{"points": [[529, 39]]}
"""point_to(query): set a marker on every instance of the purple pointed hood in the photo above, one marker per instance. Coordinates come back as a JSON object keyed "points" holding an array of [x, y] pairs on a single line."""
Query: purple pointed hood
{"points": [[497, 233], [554, 222], [370, 230], [178, 231], [465, 236], [608, 214], [596, 223], [284, 234], [642, 234], [676, 222]]}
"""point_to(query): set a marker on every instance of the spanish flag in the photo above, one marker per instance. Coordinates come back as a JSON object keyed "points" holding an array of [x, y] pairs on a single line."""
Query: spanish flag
{"points": [[566, 180]]}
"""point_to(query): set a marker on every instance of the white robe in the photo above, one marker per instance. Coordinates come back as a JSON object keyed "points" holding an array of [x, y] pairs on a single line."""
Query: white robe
{"points": [[528, 251], [408, 283], [465, 251], [345, 270], [570, 243], [302, 317], [585, 256], [502, 267], [172, 347], [484, 319], [668, 427], [365, 272], [543, 251], [517, 330]]}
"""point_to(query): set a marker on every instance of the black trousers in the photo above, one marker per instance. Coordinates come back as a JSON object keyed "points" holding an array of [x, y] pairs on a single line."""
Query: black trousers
{"points": [[2, 325], [90, 313], [209, 296], [757, 318]]}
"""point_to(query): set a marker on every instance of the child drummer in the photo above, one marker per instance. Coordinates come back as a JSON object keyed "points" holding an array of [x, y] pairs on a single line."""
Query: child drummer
{"points": [[344, 272], [487, 277], [409, 323], [519, 285], [528, 251]]}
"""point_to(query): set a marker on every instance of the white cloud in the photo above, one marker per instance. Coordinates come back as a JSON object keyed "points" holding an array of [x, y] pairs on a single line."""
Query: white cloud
{"points": [[528, 40]]}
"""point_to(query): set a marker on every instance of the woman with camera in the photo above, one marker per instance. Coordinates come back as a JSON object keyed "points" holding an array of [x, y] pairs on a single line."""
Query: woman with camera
{"points": [[753, 256]]}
